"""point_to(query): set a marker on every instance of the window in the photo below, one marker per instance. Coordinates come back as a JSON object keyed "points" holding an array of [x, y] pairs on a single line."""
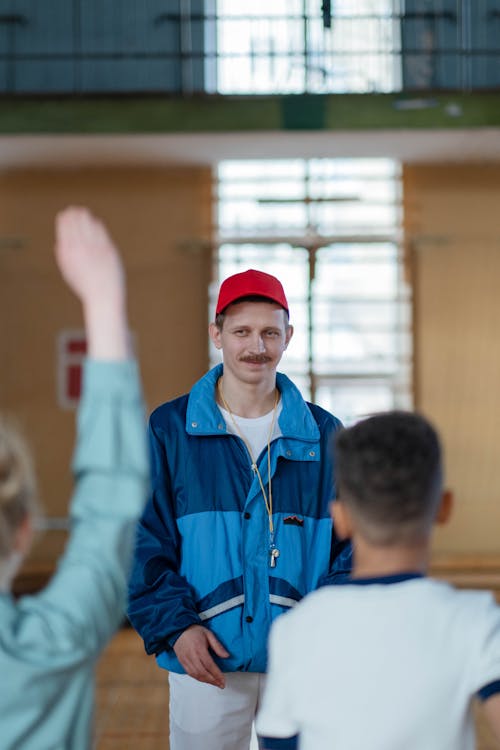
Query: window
{"points": [[286, 47], [330, 230]]}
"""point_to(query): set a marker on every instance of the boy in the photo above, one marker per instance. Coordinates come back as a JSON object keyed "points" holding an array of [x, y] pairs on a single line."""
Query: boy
{"points": [[391, 660]]}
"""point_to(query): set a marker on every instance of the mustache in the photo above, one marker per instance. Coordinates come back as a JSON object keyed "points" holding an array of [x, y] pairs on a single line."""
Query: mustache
{"points": [[256, 358]]}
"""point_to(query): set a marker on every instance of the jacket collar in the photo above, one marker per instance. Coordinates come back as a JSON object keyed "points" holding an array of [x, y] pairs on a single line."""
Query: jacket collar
{"points": [[203, 416]]}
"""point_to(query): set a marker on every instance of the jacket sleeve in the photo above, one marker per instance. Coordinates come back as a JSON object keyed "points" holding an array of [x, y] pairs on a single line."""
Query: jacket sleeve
{"points": [[161, 602], [85, 600], [340, 562], [340, 549]]}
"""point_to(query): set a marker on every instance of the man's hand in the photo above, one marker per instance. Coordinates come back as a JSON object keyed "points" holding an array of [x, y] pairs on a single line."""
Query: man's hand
{"points": [[192, 649], [91, 266]]}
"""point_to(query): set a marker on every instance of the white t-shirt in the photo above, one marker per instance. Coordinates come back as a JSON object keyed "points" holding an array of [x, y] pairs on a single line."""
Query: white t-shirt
{"points": [[254, 429], [386, 664]]}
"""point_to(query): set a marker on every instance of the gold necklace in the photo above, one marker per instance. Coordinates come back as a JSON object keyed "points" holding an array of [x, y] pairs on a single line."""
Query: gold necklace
{"points": [[274, 552]]}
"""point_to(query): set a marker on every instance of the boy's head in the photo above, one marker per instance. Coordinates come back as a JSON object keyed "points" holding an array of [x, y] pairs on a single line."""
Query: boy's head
{"points": [[389, 477]]}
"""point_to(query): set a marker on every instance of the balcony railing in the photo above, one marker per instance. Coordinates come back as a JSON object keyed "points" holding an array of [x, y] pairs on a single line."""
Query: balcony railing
{"points": [[185, 47]]}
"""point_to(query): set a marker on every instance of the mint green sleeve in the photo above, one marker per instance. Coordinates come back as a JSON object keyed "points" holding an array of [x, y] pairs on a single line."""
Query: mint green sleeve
{"points": [[85, 600]]}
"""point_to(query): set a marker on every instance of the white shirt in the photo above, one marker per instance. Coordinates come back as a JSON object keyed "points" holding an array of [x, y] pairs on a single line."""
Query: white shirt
{"points": [[382, 667], [255, 429]]}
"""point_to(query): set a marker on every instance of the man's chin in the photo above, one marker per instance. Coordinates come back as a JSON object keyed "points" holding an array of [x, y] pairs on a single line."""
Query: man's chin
{"points": [[252, 373]]}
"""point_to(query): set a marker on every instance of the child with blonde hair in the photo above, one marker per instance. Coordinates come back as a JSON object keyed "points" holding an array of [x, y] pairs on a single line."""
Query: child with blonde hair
{"points": [[49, 642]]}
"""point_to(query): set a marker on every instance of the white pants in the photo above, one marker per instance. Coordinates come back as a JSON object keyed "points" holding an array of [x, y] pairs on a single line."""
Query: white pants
{"points": [[204, 717]]}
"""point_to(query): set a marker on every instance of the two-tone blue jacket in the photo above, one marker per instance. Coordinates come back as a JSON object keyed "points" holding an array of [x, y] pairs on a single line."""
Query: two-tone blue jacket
{"points": [[202, 550]]}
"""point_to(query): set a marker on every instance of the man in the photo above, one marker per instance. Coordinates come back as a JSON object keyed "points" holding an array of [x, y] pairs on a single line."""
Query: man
{"points": [[237, 530]]}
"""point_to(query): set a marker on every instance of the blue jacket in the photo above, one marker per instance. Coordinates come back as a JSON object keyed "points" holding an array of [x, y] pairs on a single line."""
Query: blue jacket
{"points": [[202, 551]]}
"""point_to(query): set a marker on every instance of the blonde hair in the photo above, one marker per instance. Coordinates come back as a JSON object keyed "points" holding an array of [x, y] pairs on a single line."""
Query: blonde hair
{"points": [[18, 495]]}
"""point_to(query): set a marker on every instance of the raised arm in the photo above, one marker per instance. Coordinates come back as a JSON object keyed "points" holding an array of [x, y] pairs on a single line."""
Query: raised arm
{"points": [[85, 600], [92, 268]]}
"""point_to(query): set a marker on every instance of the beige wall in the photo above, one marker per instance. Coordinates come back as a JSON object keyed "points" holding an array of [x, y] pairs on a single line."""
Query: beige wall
{"points": [[452, 218], [162, 221]]}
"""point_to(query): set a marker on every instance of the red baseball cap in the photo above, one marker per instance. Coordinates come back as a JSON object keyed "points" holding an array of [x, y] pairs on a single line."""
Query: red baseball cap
{"points": [[250, 283]]}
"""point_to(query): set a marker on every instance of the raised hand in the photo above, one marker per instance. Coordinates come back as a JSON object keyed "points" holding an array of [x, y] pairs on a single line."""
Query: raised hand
{"points": [[91, 266]]}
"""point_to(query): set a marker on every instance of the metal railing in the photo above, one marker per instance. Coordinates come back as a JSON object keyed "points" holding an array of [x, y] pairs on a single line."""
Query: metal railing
{"points": [[297, 46]]}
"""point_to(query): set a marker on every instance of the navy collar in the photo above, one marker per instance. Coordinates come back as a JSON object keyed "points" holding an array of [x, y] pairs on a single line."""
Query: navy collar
{"points": [[393, 578]]}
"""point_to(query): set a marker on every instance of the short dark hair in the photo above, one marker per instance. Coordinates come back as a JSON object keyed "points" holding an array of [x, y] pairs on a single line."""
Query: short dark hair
{"points": [[389, 473], [219, 318]]}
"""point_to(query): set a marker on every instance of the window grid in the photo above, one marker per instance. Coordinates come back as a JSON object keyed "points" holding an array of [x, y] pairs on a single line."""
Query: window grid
{"points": [[342, 270], [286, 47]]}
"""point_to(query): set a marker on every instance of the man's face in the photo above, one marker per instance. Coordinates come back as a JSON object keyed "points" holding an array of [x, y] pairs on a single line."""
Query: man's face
{"points": [[253, 339]]}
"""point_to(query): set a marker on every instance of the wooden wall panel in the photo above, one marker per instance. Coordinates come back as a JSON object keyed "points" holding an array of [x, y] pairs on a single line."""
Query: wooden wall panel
{"points": [[453, 236], [162, 221]]}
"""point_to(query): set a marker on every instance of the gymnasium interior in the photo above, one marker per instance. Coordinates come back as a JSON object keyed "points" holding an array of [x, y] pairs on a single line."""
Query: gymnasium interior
{"points": [[352, 148]]}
